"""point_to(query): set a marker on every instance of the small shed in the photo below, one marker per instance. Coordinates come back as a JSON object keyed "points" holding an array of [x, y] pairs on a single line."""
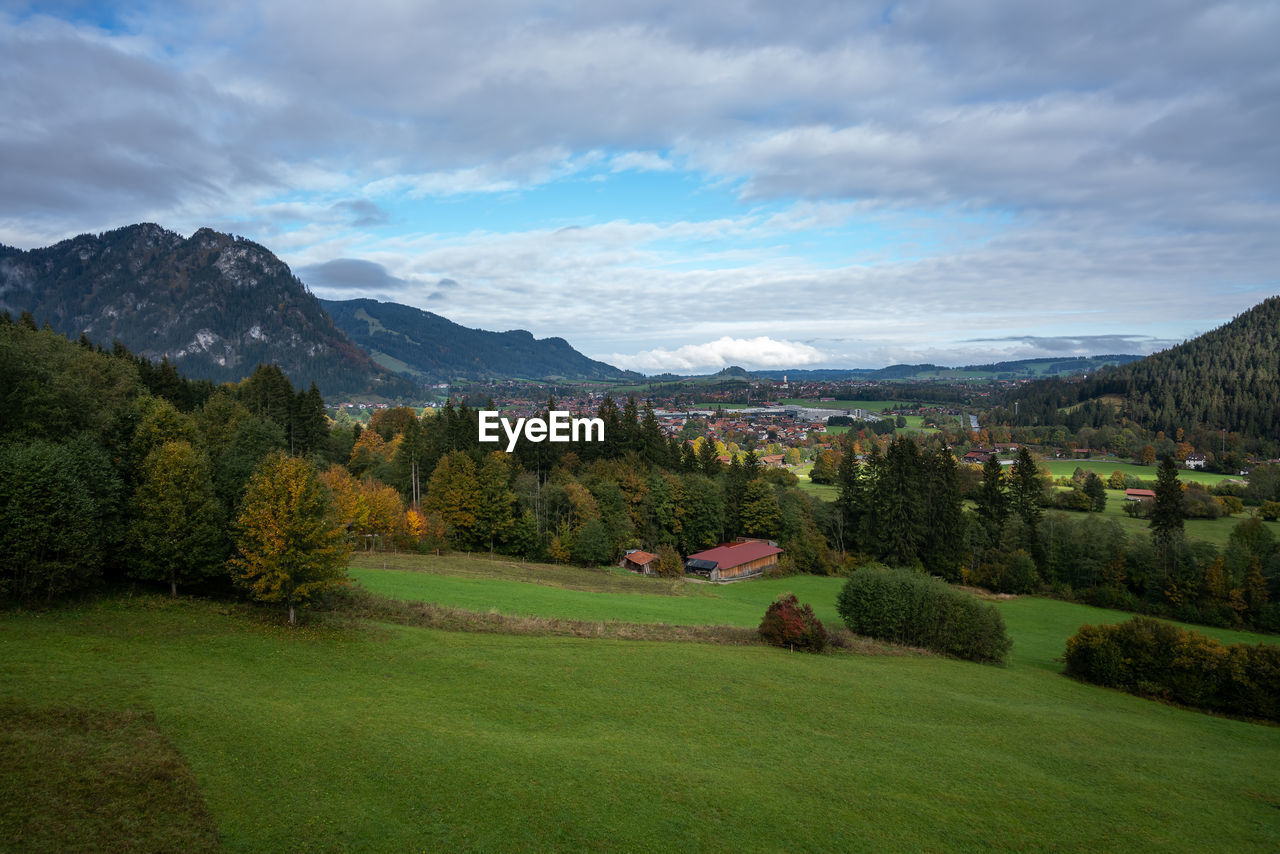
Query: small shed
{"points": [[732, 561], [638, 561], [1139, 495]]}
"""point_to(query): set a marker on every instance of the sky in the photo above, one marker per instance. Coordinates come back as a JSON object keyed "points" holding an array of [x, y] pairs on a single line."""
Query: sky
{"points": [[677, 186]]}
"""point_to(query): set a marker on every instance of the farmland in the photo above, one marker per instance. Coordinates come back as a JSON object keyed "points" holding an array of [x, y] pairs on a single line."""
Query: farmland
{"points": [[350, 734]]}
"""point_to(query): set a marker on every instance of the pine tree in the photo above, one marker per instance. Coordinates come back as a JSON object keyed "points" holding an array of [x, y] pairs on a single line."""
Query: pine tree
{"points": [[943, 545], [993, 502], [1097, 492], [898, 496], [1167, 511]]}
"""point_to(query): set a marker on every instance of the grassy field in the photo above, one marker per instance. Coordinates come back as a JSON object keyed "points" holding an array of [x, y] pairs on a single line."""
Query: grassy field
{"points": [[875, 406], [826, 491], [365, 736], [1216, 531], [1104, 468], [374, 737]]}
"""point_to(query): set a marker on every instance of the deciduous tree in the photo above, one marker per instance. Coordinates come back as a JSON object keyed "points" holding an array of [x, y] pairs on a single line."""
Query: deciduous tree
{"points": [[288, 544], [178, 521]]}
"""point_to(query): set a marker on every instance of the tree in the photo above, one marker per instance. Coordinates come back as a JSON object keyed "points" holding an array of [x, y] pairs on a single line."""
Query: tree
{"points": [[898, 498], [453, 494], [49, 542], [993, 503], [790, 624], [707, 462], [760, 514], [1166, 510], [1097, 492], [1026, 489], [669, 563], [288, 544], [177, 526]]}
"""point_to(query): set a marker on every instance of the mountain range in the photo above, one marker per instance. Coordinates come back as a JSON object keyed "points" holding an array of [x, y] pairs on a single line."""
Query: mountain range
{"points": [[425, 345], [216, 306]]}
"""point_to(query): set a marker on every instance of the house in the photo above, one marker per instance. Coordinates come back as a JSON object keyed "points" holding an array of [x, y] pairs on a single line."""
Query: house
{"points": [[772, 461], [1139, 495], [1195, 461], [977, 456], [732, 561], [638, 561]]}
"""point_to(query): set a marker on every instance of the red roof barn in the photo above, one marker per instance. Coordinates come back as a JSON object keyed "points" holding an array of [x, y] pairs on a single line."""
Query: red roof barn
{"points": [[731, 561]]}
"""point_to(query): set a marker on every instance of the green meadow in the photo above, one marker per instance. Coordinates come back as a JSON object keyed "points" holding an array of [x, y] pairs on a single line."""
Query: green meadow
{"points": [[349, 734], [1104, 468]]}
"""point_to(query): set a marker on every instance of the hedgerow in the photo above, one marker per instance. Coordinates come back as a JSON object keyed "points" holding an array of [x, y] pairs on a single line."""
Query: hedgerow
{"points": [[1156, 659], [918, 610]]}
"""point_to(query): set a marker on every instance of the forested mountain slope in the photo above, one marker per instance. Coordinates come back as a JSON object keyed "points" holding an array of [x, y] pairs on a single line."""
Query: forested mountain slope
{"points": [[213, 304], [1228, 378], [433, 347]]}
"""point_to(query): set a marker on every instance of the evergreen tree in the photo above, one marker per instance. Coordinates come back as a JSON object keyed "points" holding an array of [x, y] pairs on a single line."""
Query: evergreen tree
{"points": [[898, 498], [943, 545], [1026, 492], [1026, 489], [707, 462], [1167, 511], [993, 501], [1097, 492], [653, 447]]}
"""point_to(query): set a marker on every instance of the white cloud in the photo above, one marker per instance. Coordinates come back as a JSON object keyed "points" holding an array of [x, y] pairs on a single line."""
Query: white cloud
{"points": [[761, 352]]}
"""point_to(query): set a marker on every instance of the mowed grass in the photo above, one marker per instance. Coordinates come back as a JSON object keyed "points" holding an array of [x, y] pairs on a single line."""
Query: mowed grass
{"points": [[363, 736], [542, 590], [825, 491]]}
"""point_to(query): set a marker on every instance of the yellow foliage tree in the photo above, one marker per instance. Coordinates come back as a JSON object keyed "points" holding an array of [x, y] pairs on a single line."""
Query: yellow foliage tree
{"points": [[288, 543]]}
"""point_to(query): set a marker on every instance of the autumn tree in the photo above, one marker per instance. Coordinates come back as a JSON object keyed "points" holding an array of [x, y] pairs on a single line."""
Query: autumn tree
{"points": [[177, 525], [453, 494], [288, 544]]}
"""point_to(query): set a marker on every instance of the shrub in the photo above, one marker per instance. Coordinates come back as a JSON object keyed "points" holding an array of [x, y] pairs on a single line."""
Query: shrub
{"points": [[791, 624], [919, 610], [1157, 659]]}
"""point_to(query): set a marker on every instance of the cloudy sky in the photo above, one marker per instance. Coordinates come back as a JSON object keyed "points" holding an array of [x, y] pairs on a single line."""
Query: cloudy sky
{"points": [[680, 186]]}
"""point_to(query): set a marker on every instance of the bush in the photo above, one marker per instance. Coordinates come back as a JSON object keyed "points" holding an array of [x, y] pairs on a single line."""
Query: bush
{"points": [[791, 624], [1157, 659], [919, 610]]}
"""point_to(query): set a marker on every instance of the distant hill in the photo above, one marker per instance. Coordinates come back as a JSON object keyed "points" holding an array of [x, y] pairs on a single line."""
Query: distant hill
{"points": [[1228, 378], [1019, 369], [427, 346], [214, 304]]}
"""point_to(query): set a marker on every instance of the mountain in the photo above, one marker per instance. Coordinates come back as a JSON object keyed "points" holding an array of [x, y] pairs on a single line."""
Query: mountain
{"points": [[430, 347], [213, 304], [1048, 366], [1227, 379]]}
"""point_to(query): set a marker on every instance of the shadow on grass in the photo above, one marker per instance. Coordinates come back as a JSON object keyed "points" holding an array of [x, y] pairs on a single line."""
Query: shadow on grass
{"points": [[89, 780]]}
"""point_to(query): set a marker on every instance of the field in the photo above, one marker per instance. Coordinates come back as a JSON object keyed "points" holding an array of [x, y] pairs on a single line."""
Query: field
{"points": [[349, 735], [875, 406], [1104, 468]]}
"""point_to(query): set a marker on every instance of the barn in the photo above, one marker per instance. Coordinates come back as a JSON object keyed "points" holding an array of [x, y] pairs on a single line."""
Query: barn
{"points": [[732, 561], [638, 561]]}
